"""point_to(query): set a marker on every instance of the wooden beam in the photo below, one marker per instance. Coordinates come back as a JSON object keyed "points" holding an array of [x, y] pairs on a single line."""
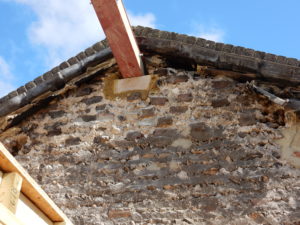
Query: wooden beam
{"points": [[7, 217], [29, 214], [10, 191], [115, 23], [30, 188]]}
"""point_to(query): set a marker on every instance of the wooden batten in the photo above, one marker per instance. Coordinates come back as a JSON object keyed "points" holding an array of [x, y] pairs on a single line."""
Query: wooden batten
{"points": [[10, 190], [7, 217], [27, 212], [32, 195]]}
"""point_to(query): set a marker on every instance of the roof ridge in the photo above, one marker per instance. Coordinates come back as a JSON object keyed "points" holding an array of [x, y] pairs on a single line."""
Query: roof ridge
{"points": [[85, 56], [217, 46]]}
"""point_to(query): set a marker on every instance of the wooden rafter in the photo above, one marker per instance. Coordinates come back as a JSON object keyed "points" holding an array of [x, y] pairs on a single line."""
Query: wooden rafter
{"points": [[115, 23]]}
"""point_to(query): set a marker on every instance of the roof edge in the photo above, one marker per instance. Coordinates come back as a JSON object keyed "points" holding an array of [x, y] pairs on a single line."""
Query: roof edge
{"points": [[224, 56]]}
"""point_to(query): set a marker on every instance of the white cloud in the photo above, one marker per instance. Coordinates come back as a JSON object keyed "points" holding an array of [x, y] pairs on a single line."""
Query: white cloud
{"points": [[209, 32], [66, 27], [6, 78], [147, 20], [63, 27], [5, 72]]}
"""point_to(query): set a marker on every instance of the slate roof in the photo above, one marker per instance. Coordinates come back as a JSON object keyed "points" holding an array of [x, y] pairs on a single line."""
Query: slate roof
{"points": [[265, 66]]}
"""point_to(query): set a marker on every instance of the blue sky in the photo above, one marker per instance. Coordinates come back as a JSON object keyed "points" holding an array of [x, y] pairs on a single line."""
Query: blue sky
{"points": [[36, 35]]}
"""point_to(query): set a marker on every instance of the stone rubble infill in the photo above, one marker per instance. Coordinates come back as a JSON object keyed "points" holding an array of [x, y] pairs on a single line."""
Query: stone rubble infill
{"points": [[162, 160]]}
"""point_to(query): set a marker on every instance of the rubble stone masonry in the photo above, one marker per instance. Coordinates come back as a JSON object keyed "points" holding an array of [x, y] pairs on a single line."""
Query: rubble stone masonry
{"points": [[199, 150]]}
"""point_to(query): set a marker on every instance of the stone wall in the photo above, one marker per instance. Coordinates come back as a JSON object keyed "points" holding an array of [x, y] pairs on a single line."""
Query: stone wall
{"points": [[199, 150]]}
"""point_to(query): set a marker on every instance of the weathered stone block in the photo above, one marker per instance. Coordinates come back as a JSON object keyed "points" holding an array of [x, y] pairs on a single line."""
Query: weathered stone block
{"points": [[220, 102], [185, 97], [56, 114], [167, 132], [101, 107], [53, 129], [133, 135], [84, 92], [201, 132], [88, 118], [148, 122], [147, 112], [164, 121], [119, 213], [158, 100], [222, 84], [134, 96], [178, 109], [72, 141], [177, 79], [247, 119], [124, 144], [159, 141], [92, 100]]}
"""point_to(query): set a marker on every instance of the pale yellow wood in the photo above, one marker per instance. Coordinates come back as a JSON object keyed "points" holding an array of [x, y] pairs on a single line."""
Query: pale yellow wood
{"points": [[1, 175], [61, 223], [142, 83], [10, 190], [7, 217], [29, 214], [31, 189]]}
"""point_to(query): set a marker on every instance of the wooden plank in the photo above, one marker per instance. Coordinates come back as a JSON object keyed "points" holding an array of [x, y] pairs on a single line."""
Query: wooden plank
{"points": [[10, 191], [29, 214], [1, 175], [115, 23], [30, 188], [7, 217], [132, 84]]}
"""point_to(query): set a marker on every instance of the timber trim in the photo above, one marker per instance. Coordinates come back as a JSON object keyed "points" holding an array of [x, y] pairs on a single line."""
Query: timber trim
{"points": [[31, 189], [7, 217]]}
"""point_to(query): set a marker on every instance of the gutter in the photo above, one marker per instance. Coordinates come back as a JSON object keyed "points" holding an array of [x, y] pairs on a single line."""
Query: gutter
{"points": [[54, 83]]}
